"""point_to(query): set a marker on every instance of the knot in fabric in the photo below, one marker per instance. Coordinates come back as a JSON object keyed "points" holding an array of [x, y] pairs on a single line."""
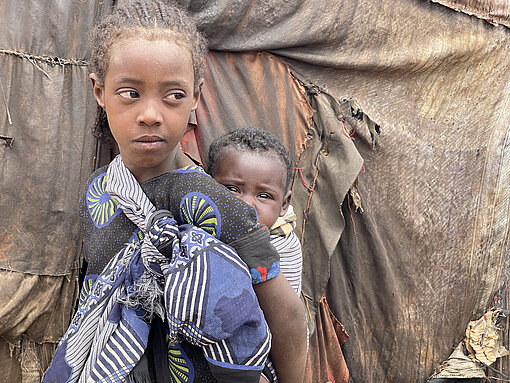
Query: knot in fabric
{"points": [[186, 276], [162, 234], [155, 216]]}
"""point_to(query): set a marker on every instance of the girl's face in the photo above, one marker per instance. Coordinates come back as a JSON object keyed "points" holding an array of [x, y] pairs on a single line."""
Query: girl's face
{"points": [[148, 94], [257, 179]]}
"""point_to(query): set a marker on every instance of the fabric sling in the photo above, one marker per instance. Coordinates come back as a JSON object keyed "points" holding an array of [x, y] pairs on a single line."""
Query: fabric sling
{"points": [[184, 275]]}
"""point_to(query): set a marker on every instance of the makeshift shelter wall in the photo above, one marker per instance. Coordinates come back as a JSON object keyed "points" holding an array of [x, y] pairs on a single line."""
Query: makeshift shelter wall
{"points": [[428, 253], [47, 109], [431, 249]]}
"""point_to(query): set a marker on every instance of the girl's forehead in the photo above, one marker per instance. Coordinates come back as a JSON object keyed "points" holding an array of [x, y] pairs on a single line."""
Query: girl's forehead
{"points": [[153, 61], [152, 51], [149, 49], [138, 35]]}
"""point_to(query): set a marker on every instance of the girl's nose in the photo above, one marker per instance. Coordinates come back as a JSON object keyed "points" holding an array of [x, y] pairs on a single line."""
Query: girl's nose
{"points": [[149, 114]]}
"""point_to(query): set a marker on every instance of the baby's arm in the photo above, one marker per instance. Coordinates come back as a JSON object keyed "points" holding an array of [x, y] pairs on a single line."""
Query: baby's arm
{"points": [[285, 316]]}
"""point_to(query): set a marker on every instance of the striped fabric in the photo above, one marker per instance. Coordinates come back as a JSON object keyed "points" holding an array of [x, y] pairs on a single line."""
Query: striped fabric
{"points": [[291, 258], [288, 247], [125, 189], [105, 338], [200, 285]]}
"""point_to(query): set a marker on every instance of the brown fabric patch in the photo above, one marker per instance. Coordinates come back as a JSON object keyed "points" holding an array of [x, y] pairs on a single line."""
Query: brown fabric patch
{"points": [[326, 170], [34, 306], [325, 360], [248, 89], [494, 11]]}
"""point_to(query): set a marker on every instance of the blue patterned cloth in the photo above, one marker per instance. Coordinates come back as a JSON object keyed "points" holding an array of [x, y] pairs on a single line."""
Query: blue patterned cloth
{"points": [[202, 286]]}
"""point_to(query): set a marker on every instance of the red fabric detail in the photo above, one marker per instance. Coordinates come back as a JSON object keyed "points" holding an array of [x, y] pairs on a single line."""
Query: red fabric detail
{"points": [[330, 375], [263, 272]]}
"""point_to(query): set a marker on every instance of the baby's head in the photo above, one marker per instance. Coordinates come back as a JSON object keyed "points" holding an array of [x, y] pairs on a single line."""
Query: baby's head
{"points": [[255, 166]]}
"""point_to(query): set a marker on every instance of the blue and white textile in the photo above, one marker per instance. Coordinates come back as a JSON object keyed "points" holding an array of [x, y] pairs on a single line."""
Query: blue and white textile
{"points": [[183, 274]]}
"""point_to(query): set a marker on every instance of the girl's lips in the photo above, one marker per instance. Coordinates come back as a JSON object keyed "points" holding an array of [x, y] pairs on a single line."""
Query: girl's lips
{"points": [[148, 142]]}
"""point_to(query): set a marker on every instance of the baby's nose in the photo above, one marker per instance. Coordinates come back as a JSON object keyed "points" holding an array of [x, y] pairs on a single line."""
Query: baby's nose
{"points": [[250, 200]]}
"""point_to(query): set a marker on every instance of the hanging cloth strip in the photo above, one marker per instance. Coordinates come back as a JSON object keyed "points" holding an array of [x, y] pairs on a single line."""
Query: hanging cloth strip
{"points": [[183, 274]]}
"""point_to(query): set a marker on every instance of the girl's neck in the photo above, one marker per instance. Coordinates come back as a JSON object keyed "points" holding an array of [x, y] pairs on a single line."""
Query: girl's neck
{"points": [[180, 160]]}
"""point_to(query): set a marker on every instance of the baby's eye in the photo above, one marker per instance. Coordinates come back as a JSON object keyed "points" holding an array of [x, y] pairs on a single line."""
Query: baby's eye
{"points": [[265, 196], [233, 189], [129, 94]]}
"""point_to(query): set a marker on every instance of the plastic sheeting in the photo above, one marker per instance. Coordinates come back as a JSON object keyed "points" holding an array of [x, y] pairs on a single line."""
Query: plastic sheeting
{"points": [[429, 252]]}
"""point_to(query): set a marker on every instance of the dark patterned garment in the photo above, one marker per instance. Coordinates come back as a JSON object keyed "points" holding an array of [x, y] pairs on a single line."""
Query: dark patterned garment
{"points": [[193, 198]]}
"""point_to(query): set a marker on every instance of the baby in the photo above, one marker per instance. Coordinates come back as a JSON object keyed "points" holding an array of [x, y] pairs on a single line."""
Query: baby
{"points": [[256, 167]]}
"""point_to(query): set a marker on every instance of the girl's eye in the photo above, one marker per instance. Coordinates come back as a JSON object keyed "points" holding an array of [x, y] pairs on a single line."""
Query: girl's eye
{"points": [[233, 189], [129, 94]]}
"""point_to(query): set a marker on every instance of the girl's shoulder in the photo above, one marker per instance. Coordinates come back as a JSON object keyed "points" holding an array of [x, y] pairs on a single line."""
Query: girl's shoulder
{"points": [[190, 179], [98, 171]]}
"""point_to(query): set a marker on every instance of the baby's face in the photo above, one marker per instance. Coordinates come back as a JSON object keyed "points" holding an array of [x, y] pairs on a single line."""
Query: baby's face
{"points": [[257, 179]]}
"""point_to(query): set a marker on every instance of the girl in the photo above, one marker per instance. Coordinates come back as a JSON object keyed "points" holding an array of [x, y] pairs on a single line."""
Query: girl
{"points": [[163, 300]]}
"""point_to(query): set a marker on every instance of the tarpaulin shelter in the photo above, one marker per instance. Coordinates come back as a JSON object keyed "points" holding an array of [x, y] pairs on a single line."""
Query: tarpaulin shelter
{"points": [[428, 254]]}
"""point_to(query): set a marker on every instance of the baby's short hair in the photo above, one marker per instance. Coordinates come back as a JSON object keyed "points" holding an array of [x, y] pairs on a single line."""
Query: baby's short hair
{"points": [[252, 139]]}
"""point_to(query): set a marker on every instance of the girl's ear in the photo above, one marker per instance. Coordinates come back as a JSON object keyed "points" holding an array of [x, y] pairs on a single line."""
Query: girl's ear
{"points": [[196, 94], [98, 89], [285, 203]]}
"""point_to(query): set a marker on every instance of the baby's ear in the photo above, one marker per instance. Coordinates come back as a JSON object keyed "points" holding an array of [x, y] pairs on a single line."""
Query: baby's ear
{"points": [[285, 203], [98, 89]]}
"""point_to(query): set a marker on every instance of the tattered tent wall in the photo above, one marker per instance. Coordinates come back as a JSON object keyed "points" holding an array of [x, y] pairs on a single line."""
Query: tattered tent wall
{"points": [[430, 250], [45, 108], [494, 11]]}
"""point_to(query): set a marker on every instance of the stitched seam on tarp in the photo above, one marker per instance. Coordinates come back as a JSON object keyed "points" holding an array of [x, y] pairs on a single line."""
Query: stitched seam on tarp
{"points": [[46, 59]]}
